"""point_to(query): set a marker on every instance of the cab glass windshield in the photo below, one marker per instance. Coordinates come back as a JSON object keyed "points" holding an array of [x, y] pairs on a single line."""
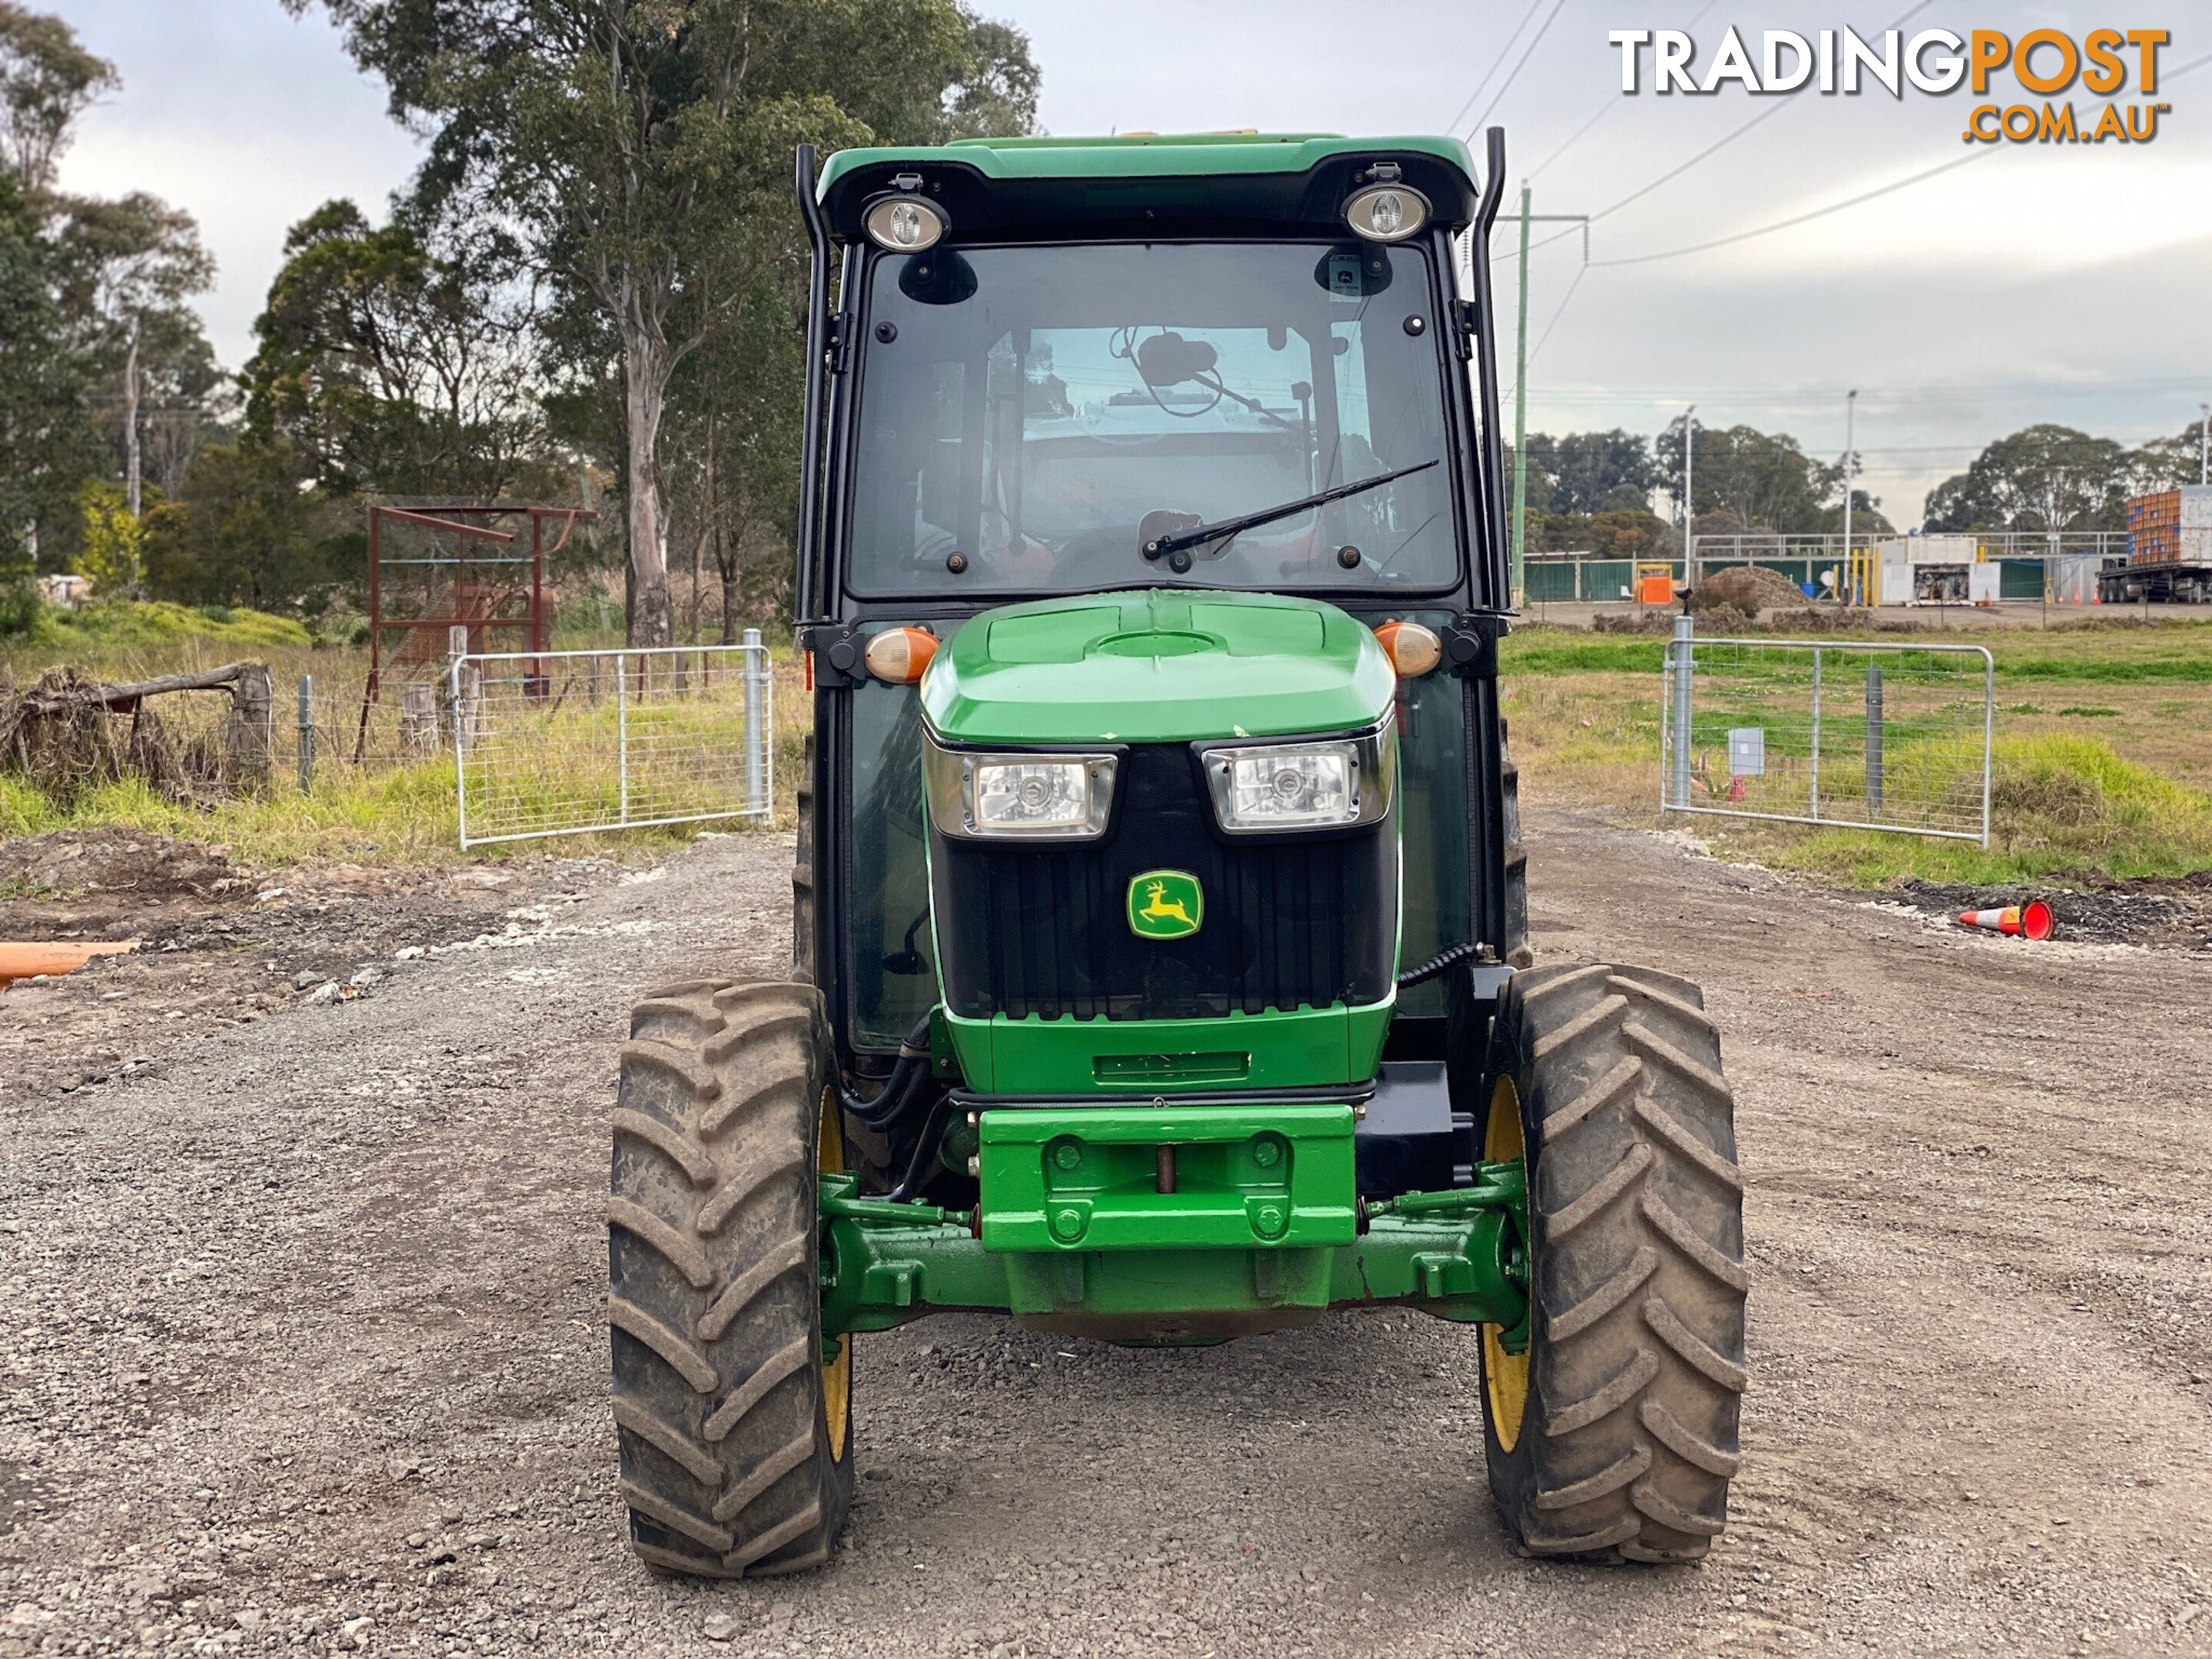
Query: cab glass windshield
{"points": [[1029, 416]]}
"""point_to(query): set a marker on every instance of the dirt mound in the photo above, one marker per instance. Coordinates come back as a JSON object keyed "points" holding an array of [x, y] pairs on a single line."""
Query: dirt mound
{"points": [[1633, 621], [1720, 619], [1750, 588], [2154, 911], [115, 862], [1828, 620]]}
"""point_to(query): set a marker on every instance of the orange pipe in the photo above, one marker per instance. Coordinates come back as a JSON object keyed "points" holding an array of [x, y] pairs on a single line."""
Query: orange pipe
{"points": [[29, 961]]}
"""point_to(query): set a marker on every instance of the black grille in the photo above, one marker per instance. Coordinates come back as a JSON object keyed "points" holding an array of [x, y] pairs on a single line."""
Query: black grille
{"points": [[1308, 921]]}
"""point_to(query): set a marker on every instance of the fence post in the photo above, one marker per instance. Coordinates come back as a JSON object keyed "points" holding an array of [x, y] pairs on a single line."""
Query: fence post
{"points": [[1990, 733], [1814, 808], [621, 737], [249, 735], [1678, 649], [307, 732], [464, 688], [1874, 736], [460, 749], [757, 731]]}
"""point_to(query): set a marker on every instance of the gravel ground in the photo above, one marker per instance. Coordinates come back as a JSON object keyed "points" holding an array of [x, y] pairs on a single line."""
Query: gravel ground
{"points": [[301, 1347]]}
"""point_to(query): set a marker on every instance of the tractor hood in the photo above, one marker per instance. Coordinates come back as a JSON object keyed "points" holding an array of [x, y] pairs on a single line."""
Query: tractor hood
{"points": [[1161, 666]]}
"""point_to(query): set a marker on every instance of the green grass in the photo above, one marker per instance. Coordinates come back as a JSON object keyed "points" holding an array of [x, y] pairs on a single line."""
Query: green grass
{"points": [[98, 630], [23, 811], [394, 808], [2061, 807], [405, 815], [1562, 651], [2086, 653], [2195, 670]]}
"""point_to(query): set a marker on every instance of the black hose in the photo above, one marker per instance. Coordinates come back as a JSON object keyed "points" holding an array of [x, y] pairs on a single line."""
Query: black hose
{"points": [[924, 1149], [894, 1101], [1448, 958], [896, 1096]]}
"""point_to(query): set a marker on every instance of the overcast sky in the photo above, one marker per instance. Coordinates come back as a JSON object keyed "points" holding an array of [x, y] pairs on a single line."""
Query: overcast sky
{"points": [[2037, 283]]}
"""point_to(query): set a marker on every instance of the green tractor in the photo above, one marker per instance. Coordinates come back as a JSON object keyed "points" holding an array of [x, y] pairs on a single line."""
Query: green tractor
{"points": [[1161, 972]]}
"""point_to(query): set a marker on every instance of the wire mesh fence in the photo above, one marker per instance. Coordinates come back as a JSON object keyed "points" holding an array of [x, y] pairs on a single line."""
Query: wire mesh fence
{"points": [[567, 742], [1850, 735]]}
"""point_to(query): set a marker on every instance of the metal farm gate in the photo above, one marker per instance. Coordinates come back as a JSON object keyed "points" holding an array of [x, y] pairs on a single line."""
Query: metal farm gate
{"points": [[1845, 734], [562, 742]]}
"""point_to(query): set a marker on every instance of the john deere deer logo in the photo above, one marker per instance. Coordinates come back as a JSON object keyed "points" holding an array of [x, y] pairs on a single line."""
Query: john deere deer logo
{"points": [[1165, 904]]}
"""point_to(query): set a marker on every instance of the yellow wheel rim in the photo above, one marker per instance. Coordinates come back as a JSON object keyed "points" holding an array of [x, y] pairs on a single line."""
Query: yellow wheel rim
{"points": [[837, 1375], [1505, 1375]]}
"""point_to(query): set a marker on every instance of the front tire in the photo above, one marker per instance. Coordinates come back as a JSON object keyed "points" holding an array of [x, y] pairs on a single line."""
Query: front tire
{"points": [[1614, 1434], [734, 1429]]}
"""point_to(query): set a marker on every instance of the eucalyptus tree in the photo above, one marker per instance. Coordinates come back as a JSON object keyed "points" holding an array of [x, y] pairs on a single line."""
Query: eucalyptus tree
{"points": [[641, 150]]}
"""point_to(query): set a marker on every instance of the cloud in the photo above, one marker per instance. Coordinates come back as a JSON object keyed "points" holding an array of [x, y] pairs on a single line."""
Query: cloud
{"points": [[2046, 282]]}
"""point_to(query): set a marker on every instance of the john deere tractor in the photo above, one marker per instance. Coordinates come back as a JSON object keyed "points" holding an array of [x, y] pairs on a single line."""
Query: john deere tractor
{"points": [[1161, 972]]}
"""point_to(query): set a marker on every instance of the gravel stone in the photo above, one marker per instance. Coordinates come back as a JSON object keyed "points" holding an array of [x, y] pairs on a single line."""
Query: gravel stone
{"points": [[293, 1317]]}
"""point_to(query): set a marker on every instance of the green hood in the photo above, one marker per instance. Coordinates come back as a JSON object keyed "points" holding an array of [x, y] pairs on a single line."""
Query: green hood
{"points": [[1156, 667]]}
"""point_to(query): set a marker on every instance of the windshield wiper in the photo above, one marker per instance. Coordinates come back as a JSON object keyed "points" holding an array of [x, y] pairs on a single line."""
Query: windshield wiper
{"points": [[1175, 541]]}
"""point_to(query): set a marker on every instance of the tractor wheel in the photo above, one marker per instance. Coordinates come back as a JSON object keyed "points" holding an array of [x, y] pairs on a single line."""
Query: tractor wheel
{"points": [[1613, 1434], [733, 1417]]}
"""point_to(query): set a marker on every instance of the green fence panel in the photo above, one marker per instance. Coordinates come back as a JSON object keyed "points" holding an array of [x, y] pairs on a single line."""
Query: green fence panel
{"points": [[1549, 582]]}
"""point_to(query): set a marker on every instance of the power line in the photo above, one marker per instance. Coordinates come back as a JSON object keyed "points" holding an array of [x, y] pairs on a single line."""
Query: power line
{"points": [[1535, 350], [1533, 42], [1730, 138], [1606, 107], [1723, 142], [1557, 236], [1801, 218], [1718, 144], [1452, 126]]}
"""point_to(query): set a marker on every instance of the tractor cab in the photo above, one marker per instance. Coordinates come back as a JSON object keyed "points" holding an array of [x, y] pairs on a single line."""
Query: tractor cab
{"points": [[1052, 370], [1159, 915]]}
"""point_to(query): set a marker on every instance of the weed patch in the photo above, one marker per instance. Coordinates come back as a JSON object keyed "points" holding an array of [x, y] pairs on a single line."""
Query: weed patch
{"points": [[2060, 806], [98, 629]]}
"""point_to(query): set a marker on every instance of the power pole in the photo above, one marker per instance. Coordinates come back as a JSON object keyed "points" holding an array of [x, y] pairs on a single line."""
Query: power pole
{"points": [[1520, 391], [1851, 467], [2203, 442], [1689, 495], [1521, 417]]}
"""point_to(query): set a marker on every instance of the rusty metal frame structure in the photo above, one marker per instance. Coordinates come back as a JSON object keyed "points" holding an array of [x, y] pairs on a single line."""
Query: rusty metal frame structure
{"points": [[464, 523]]}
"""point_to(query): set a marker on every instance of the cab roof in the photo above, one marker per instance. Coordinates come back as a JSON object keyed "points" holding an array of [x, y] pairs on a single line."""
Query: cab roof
{"points": [[1237, 183]]}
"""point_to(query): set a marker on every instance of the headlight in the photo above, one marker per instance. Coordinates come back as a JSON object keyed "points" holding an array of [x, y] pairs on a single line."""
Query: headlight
{"points": [[1019, 796], [1302, 785], [1387, 213], [904, 224]]}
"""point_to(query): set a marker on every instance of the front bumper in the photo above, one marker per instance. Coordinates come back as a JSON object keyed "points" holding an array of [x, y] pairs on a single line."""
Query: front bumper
{"points": [[1164, 1224]]}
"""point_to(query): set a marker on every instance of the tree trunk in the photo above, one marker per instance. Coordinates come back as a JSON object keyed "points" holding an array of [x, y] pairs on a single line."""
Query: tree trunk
{"points": [[645, 372], [133, 468], [727, 568]]}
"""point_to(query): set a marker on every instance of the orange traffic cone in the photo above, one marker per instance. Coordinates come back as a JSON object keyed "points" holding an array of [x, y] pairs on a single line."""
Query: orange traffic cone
{"points": [[2028, 920]]}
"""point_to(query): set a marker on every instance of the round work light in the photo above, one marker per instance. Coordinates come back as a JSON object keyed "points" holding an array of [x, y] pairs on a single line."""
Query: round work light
{"points": [[905, 224], [1387, 213]]}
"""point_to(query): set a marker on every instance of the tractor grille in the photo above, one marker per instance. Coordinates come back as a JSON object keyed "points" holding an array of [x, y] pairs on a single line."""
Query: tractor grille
{"points": [[1305, 920]]}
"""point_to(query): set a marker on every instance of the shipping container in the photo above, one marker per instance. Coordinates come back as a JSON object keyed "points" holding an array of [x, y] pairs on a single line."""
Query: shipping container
{"points": [[2171, 526]]}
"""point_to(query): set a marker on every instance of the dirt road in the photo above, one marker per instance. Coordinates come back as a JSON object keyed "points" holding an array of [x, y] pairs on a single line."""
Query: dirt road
{"points": [[301, 1345]]}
